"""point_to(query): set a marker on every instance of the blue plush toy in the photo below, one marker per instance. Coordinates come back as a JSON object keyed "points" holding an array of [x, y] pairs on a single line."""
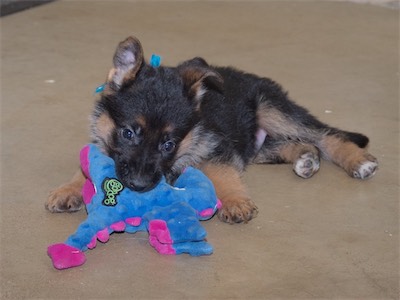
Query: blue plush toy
{"points": [[170, 214]]}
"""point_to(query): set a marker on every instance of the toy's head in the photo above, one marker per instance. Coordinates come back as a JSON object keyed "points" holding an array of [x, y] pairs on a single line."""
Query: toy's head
{"points": [[104, 186]]}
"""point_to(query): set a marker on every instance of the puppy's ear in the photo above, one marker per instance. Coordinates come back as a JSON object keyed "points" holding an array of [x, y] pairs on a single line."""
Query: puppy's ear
{"points": [[198, 78], [127, 60]]}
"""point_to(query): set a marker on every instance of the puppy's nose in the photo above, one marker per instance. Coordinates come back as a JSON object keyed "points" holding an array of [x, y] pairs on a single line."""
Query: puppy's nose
{"points": [[135, 186], [139, 188]]}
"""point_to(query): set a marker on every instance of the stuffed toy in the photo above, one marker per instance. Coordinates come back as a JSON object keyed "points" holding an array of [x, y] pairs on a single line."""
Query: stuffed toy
{"points": [[170, 214]]}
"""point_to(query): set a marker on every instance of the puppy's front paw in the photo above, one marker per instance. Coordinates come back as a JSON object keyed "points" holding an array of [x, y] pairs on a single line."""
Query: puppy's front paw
{"points": [[66, 198], [237, 210], [366, 168], [306, 165]]}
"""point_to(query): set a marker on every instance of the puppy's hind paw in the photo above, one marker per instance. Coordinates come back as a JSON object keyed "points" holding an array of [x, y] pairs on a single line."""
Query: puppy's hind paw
{"points": [[306, 165], [366, 170]]}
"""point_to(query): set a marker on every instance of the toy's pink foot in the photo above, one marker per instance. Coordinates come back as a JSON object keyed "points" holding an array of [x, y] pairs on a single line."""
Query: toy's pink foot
{"points": [[161, 248], [88, 191], [65, 256], [160, 237], [159, 229]]}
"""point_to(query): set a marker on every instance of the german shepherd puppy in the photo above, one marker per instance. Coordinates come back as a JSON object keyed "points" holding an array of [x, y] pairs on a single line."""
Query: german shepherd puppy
{"points": [[157, 121]]}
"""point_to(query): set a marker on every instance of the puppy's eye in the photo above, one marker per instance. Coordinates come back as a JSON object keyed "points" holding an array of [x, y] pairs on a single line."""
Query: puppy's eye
{"points": [[127, 134], [168, 146]]}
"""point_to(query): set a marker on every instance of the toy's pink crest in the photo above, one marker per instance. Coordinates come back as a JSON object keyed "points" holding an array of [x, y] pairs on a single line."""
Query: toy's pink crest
{"points": [[206, 213], [118, 226], [88, 191], [84, 157], [103, 235], [92, 243], [219, 204], [135, 221]]}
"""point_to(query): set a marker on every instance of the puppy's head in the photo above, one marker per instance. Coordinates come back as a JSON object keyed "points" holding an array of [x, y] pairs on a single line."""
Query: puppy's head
{"points": [[144, 113]]}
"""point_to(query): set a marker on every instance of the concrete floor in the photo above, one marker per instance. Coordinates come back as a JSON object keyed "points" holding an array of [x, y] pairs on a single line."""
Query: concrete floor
{"points": [[327, 237]]}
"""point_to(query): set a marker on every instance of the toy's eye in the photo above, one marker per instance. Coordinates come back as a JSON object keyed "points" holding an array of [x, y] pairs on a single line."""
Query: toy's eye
{"points": [[168, 146], [127, 134]]}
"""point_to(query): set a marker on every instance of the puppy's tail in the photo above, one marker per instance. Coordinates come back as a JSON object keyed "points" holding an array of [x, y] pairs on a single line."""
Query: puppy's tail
{"points": [[357, 138]]}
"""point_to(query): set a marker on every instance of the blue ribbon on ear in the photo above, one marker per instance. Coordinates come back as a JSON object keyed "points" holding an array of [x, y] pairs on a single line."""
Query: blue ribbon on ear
{"points": [[155, 60], [100, 88]]}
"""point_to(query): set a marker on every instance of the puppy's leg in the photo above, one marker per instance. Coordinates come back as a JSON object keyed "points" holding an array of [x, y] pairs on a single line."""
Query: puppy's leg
{"points": [[67, 197], [285, 122], [304, 157], [237, 206], [348, 151]]}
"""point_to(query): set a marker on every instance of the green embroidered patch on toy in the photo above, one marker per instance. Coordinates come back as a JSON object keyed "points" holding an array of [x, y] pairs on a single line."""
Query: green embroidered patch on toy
{"points": [[111, 187]]}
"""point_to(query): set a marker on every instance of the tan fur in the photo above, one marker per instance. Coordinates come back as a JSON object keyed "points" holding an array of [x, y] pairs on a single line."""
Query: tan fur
{"points": [[236, 203], [193, 149], [185, 145], [111, 74], [276, 124], [104, 127], [168, 129], [291, 152], [67, 197], [141, 120], [345, 154]]}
